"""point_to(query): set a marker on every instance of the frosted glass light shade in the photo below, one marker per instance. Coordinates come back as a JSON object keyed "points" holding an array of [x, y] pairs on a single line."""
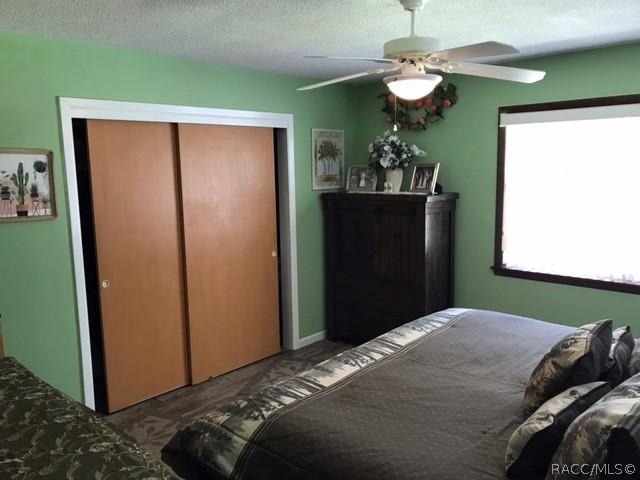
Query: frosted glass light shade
{"points": [[413, 86]]}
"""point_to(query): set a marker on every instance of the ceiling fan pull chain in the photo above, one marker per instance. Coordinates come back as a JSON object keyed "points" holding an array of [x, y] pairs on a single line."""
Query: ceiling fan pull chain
{"points": [[395, 113]]}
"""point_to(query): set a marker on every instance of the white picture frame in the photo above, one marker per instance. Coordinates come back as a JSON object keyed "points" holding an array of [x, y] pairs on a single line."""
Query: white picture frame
{"points": [[26, 185], [424, 178], [327, 158]]}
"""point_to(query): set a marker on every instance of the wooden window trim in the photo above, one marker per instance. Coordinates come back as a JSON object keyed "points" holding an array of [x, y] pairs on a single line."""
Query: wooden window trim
{"points": [[498, 265]]}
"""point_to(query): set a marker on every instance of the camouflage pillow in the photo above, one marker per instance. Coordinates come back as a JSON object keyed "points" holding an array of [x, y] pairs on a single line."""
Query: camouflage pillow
{"points": [[619, 356], [634, 363], [607, 434], [531, 446], [578, 358]]}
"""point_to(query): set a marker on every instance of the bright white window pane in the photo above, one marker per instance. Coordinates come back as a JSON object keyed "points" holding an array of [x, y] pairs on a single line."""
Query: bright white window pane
{"points": [[572, 198]]}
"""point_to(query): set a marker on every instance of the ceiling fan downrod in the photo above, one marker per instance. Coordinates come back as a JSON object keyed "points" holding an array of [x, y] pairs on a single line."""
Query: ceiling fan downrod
{"points": [[413, 6]]}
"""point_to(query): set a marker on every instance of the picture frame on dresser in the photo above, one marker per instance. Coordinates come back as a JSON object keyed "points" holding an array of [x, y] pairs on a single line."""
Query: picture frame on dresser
{"points": [[361, 178], [424, 178]]}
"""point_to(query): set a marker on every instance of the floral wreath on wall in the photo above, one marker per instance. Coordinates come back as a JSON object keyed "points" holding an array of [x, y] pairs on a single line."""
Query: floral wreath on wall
{"points": [[419, 114]]}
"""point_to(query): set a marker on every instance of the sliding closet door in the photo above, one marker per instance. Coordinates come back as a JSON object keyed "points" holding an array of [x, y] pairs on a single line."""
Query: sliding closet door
{"points": [[138, 242], [229, 211]]}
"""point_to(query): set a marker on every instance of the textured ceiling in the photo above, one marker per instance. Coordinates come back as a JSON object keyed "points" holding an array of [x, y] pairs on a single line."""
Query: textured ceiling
{"points": [[273, 35]]}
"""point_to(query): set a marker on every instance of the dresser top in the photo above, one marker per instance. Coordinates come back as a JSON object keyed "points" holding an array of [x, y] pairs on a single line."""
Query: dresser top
{"points": [[393, 197]]}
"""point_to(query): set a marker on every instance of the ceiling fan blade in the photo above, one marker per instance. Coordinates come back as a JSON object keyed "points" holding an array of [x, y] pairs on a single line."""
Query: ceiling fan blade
{"points": [[350, 77], [499, 72], [365, 59], [477, 50]]}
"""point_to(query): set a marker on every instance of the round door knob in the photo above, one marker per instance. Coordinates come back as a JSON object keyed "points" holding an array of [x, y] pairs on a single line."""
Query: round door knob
{"points": [[274, 253], [105, 284]]}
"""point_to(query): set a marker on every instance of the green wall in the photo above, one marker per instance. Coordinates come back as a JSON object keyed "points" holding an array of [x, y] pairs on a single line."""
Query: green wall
{"points": [[36, 281], [465, 145]]}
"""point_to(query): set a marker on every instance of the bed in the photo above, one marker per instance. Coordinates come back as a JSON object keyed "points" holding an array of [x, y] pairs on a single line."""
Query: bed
{"points": [[436, 398], [44, 434]]}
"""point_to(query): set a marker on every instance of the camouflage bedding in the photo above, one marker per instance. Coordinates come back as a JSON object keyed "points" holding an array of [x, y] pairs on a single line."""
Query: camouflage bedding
{"points": [[436, 398], [44, 434]]}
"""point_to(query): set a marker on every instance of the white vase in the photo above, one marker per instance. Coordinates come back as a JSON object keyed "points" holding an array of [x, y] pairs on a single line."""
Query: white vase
{"points": [[394, 176]]}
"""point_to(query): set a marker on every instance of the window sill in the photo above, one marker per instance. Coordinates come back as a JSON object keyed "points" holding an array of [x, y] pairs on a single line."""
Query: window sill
{"points": [[575, 281]]}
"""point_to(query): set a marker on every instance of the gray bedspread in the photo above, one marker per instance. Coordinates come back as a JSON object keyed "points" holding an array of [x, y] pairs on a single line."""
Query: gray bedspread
{"points": [[436, 398]]}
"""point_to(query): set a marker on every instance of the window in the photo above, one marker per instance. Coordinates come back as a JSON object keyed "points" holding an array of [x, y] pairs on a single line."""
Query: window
{"points": [[568, 206]]}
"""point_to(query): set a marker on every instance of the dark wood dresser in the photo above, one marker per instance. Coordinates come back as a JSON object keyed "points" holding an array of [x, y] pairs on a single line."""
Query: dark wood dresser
{"points": [[389, 260]]}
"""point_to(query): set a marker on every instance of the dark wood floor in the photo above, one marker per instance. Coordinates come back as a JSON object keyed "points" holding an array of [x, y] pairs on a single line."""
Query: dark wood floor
{"points": [[153, 422]]}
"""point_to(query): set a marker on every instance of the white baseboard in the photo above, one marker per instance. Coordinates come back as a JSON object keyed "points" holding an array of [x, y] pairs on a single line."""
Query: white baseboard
{"points": [[316, 337]]}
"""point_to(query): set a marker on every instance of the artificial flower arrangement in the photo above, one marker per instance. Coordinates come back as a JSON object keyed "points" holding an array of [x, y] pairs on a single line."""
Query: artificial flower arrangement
{"points": [[388, 151], [392, 154]]}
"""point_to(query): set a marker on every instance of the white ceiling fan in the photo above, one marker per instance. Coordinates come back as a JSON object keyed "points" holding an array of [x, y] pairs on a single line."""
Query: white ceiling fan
{"points": [[415, 56]]}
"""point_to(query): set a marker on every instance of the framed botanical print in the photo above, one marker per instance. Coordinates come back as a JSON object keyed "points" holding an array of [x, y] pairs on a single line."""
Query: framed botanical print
{"points": [[424, 178], [362, 178], [26, 185], [328, 158]]}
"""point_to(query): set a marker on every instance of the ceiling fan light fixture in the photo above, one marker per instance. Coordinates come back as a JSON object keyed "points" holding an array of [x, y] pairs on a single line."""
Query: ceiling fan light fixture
{"points": [[412, 86]]}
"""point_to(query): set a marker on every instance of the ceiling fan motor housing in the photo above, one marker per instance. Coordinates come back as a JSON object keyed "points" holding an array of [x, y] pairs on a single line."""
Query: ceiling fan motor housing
{"points": [[411, 48], [412, 5]]}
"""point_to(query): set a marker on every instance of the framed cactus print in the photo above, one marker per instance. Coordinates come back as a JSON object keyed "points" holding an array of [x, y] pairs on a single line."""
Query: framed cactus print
{"points": [[328, 158], [26, 185]]}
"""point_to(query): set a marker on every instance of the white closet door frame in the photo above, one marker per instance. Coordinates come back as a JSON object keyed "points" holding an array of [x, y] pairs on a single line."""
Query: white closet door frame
{"points": [[71, 108]]}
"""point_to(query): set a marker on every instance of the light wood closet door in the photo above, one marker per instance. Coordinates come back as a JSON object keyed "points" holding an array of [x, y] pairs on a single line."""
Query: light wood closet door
{"points": [[138, 240], [229, 211]]}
